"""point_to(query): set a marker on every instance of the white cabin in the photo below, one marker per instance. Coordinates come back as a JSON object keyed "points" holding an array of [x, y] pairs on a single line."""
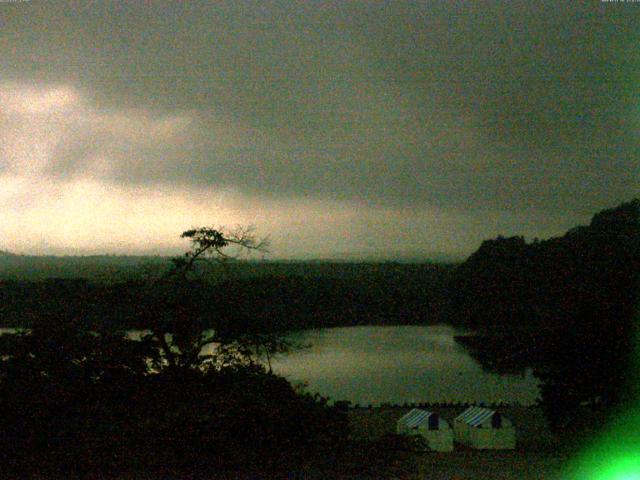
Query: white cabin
{"points": [[435, 430], [482, 428]]}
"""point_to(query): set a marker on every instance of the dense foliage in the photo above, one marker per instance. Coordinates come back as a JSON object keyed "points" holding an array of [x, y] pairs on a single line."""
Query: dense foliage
{"points": [[77, 394], [74, 416], [564, 306]]}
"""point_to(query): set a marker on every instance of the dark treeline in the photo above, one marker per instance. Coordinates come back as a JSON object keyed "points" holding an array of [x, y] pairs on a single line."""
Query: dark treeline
{"points": [[265, 297], [564, 306], [78, 397], [77, 402], [118, 268]]}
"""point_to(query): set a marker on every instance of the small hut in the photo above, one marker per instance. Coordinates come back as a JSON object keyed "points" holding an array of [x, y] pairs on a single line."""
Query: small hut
{"points": [[482, 428], [435, 430]]}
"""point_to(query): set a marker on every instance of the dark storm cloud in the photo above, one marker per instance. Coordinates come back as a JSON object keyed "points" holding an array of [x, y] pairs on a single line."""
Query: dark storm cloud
{"points": [[509, 105]]}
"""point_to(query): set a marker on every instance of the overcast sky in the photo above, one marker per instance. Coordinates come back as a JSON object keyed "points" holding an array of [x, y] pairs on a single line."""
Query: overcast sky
{"points": [[335, 127]]}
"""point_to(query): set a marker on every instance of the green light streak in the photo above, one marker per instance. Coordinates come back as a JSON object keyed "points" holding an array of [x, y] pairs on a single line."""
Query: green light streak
{"points": [[615, 454]]}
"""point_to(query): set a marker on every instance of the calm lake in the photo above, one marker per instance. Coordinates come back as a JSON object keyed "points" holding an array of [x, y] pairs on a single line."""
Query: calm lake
{"points": [[398, 364], [395, 364]]}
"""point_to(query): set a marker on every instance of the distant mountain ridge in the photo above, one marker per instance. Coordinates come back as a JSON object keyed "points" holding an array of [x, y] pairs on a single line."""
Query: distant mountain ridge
{"points": [[35, 267]]}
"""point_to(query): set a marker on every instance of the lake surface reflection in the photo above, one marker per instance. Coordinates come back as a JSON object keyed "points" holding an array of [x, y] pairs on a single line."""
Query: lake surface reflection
{"points": [[398, 364], [394, 364]]}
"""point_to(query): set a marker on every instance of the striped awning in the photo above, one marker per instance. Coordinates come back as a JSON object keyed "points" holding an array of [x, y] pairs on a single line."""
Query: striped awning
{"points": [[475, 416], [415, 417]]}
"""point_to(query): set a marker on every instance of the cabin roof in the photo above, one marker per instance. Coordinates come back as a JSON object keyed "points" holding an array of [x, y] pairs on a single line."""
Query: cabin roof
{"points": [[415, 417], [475, 416]]}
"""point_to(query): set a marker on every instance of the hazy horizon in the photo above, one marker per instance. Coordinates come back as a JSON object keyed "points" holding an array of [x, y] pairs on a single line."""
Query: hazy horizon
{"points": [[380, 256]]}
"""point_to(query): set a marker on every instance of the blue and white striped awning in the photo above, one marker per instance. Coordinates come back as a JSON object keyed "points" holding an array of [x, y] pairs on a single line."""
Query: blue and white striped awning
{"points": [[415, 417], [475, 416]]}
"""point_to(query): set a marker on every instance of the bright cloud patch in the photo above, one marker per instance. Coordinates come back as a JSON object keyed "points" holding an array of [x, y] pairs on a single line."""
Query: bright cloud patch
{"points": [[71, 182]]}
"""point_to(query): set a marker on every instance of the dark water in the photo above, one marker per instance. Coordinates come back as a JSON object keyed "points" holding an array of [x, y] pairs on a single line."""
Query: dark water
{"points": [[394, 364], [398, 364]]}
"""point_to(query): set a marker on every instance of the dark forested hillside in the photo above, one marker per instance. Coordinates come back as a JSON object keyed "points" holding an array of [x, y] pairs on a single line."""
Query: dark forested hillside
{"points": [[564, 306], [508, 283]]}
